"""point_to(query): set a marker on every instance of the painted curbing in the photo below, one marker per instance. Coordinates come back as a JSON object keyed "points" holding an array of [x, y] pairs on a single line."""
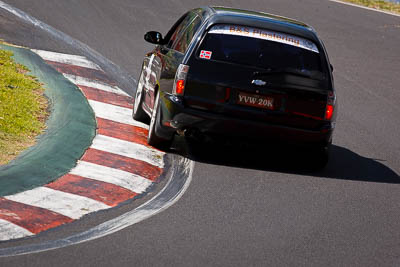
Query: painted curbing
{"points": [[70, 130], [118, 165]]}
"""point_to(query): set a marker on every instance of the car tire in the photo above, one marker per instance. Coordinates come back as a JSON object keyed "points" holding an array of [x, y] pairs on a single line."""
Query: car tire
{"points": [[138, 112], [321, 155], [153, 139]]}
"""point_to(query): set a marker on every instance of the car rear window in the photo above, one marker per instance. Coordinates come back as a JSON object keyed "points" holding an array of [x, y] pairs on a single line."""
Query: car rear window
{"points": [[262, 49]]}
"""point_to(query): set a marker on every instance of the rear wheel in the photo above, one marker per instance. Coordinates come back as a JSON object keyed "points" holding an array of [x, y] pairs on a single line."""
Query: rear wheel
{"points": [[138, 112], [153, 139], [321, 155]]}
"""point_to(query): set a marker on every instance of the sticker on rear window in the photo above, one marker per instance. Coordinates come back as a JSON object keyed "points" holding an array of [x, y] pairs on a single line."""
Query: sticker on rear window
{"points": [[205, 54], [265, 35]]}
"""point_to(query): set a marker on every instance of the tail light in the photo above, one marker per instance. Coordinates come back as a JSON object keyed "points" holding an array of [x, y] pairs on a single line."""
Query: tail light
{"points": [[180, 80], [330, 106]]}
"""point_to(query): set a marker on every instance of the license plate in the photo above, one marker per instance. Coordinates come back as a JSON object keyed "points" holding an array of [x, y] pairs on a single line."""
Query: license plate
{"points": [[253, 100]]}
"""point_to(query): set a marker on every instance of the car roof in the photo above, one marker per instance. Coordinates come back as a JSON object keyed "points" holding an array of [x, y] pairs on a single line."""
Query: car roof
{"points": [[217, 14]]}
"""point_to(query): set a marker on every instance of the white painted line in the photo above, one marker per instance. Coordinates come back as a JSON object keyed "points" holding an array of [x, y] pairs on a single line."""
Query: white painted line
{"points": [[9, 230], [115, 113], [75, 60], [129, 149], [65, 38], [78, 80], [130, 181], [70, 205], [365, 7]]}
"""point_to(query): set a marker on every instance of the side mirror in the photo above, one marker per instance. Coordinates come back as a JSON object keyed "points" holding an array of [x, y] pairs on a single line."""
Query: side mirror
{"points": [[153, 37], [331, 68]]}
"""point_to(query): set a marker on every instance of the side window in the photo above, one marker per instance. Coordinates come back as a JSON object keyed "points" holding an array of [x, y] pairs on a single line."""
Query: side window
{"points": [[175, 31], [187, 35]]}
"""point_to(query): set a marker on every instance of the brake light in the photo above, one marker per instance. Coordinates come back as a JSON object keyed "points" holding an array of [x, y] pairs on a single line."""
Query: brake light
{"points": [[180, 79], [180, 87], [330, 105], [329, 112]]}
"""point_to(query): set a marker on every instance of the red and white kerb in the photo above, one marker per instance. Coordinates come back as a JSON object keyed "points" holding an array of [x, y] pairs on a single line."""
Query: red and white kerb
{"points": [[205, 54]]}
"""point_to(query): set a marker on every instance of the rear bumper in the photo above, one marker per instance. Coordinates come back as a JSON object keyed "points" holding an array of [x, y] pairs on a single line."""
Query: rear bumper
{"points": [[177, 117]]}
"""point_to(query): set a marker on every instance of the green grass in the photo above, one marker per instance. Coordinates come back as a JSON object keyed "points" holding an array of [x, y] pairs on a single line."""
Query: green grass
{"points": [[377, 4], [22, 108]]}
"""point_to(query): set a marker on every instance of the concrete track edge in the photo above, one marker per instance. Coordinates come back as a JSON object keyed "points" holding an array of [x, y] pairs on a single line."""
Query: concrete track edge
{"points": [[70, 130], [124, 78]]}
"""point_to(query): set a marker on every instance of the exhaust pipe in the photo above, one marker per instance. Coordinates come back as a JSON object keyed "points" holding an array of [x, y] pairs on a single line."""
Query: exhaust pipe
{"points": [[191, 133]]}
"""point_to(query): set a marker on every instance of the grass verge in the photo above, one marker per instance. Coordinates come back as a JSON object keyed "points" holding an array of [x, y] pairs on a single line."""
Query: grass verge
{"points": [[377, 4], [23, 108]]}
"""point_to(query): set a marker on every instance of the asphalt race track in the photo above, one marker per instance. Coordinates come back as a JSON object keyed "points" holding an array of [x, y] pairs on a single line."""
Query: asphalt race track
{"points": [[244, 209]]}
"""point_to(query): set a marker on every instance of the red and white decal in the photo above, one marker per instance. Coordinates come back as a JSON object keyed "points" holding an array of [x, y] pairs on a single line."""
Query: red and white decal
{"points": [[205, 54]]}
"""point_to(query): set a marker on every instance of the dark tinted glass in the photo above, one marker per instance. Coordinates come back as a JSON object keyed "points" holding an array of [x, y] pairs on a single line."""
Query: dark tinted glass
{"points": [[187, 35], [264, 54], [178, 29]]}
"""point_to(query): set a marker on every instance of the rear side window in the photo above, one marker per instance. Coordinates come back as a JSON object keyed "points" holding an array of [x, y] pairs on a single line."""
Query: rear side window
{"points": [[187, 35], [262, 49], [179, 28]]}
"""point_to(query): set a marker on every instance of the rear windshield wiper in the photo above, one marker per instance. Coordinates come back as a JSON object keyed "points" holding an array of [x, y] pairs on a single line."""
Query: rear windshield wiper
{"points": [[271, 71]]}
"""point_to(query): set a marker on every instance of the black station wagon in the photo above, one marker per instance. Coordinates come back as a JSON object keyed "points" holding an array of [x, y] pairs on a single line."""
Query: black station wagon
{"points": [[244, 74]]}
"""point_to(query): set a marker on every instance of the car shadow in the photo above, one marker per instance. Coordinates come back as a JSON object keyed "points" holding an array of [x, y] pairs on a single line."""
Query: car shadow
{"points": [[343, 164]]}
